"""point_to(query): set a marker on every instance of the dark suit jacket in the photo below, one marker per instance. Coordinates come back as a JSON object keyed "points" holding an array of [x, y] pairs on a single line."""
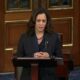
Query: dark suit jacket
{"points": [[28, 46]]}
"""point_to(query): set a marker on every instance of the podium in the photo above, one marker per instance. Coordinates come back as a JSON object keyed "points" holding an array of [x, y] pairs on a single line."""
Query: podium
{"points": [[34, 62]]}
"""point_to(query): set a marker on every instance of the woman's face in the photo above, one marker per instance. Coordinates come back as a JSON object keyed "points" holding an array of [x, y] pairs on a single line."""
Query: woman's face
{"points": [[41, 21]]}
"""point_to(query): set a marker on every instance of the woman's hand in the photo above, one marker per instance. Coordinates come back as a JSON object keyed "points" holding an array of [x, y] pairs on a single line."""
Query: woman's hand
{"points": [[41, 55]]}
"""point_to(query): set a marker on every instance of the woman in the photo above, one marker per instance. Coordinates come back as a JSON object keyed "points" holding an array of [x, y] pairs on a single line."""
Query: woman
{"points": [[39, 42]]}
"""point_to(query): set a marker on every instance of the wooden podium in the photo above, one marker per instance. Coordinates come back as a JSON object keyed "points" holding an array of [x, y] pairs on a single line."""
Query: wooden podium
{"points": [[34, 62]]}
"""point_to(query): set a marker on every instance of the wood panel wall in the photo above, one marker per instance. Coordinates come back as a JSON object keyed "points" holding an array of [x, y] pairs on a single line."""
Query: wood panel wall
{"points": [[13, 32], [1, 35], [67, 22], [13, 24], [76, 48], [79, 27]]}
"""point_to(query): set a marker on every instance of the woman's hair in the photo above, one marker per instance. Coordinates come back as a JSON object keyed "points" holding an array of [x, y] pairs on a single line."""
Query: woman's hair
{"points": [[32, 21]]}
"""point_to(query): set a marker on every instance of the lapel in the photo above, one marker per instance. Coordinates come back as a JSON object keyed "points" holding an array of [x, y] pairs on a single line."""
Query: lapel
{"points": [[47, 37], [34, 43]]}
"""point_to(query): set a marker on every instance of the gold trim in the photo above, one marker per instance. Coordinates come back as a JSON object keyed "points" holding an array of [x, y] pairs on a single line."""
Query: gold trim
{"points": [[19, 21], [18, 10], [9, 49], [69, 44], [60, 7]]}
